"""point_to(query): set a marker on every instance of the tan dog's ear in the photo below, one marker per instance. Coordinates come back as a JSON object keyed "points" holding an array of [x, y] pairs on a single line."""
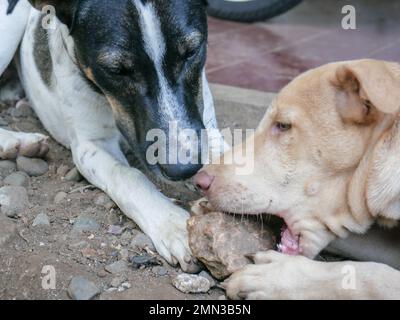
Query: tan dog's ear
{"points": [[367, 87]]}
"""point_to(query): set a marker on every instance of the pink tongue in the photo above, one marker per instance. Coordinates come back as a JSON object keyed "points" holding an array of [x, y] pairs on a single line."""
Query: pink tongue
{"points": [[289, 243]]}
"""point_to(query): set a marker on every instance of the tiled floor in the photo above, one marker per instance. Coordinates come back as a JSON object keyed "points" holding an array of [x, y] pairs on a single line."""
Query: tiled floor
{"points": [[266, 56]]}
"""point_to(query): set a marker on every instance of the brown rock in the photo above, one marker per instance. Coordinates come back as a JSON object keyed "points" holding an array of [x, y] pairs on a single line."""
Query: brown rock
{"points": [[222, 241]]}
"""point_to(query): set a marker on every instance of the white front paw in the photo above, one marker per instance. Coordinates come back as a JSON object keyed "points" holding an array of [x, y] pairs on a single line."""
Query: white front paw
{"points": [[170, 237], [13, 144]]}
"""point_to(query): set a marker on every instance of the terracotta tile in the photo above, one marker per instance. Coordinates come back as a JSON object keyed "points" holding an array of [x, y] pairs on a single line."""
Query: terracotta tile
{"points": [[266, 56], [269, 72], [250, 42], [217, 26]]}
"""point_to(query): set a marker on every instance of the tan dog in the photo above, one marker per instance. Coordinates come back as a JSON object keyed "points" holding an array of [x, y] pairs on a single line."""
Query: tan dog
{"points": [[327, 162]]}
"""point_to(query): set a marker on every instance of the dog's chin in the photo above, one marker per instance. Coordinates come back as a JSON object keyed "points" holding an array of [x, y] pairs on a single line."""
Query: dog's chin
{"points": [[180, 190]]}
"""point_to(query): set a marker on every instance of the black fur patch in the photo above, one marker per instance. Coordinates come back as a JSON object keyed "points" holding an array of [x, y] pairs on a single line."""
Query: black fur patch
{"points": [[11, 5], [42, 54]]}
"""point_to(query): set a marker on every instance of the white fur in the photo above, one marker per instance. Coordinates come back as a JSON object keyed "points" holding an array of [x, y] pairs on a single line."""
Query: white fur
{"points": [[12, 29]]}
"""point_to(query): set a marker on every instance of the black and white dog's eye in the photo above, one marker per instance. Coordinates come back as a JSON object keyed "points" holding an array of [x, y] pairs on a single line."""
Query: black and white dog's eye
{"points": [[120, 70], [282, 126]]}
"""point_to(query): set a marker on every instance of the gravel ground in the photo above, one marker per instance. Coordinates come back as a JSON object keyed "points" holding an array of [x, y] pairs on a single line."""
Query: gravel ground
{"points": [[54, 223]]}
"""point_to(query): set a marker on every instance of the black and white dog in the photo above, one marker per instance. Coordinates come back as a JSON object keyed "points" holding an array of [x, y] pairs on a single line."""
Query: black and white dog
{"points": [[109, 72]]}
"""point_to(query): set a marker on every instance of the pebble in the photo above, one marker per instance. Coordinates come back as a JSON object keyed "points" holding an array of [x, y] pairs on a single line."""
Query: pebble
{"points": [[62, 170], [81, 288], [104, 201], [117, 281], [115, 230], [117, 267], [13, 200], [73, 175], [206, 275], [159, 271], [126, 238], [33, 167], [8, 229], [7, 167], [60, 196], [190, 283], [145, 260], [124, 286], [102, 274], [23, 109], [124, 254], [85, 223], [41, 220], [141, 241], [17, 179]]}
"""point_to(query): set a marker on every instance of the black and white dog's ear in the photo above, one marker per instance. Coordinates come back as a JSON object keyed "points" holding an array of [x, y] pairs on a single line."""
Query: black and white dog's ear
{"points": [[65, 9], [11, 5]]}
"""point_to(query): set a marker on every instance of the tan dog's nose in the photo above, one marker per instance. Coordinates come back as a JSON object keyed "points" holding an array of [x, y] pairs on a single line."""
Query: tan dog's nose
{"points": [[203, 180]]}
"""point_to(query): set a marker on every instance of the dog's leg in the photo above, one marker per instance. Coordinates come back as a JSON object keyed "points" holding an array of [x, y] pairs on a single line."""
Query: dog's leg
{"points": [[278, 276], [137, 197], [13, 144], [12, 28], [378, 245]]}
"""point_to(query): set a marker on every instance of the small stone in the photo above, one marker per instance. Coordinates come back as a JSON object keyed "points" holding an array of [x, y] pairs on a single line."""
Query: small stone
{"points": [[102, 274], [222, 297], [8, 229], [141, 241], [145, 260], [33, 167], [190, 283], [78, 245], [13, 200], [117, 281], [41, 220], [126, 238], [89, 252], [115, 230], [125, 285], [104, 201], [24, 109], [62, 170], [7, 167], [85, 223], [124, 254], [60, 197], [17, 179], [82, 289], [117, 267], [159, 271], [73, 175], [206, 275]]}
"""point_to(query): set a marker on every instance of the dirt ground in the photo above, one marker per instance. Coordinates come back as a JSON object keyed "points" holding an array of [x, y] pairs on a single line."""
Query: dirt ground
{"points": [[25, 251]]}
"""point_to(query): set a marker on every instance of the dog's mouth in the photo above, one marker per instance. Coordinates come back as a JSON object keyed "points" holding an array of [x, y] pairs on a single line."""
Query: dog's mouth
{"points": [[289, 241]]}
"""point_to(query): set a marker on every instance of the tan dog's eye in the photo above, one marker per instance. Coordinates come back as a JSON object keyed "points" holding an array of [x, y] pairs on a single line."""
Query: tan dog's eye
{"points": [[368, 106], [282, 126]]}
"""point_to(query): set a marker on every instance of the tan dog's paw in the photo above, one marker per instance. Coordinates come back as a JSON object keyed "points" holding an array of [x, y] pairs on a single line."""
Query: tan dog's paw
{"points": [[273, 276], [13, 144]]}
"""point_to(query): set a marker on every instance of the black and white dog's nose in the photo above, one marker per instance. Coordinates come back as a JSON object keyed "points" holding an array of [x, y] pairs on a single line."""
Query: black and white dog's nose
{"points": [[180, 171]]}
